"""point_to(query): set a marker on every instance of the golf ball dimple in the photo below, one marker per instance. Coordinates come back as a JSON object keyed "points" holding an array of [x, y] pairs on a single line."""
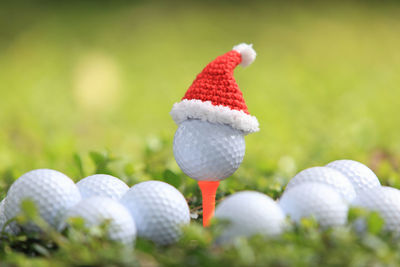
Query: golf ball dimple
{"points": [[208, 151], [315, 199], [159, 211], [51, 191], [385, 201], [358, 174], [327, 176], [102, 185], [99, 210], [249, 213]]}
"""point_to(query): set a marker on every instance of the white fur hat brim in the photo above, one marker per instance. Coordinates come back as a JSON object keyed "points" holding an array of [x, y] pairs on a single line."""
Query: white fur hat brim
{"points": [[206, 111]]}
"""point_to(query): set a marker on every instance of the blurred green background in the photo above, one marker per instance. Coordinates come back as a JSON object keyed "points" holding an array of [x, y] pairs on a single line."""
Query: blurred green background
{"points": [[87, 76]]}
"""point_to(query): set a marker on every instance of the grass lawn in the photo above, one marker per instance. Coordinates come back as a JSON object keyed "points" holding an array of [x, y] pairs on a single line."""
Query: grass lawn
{"points": [[86, 87]]}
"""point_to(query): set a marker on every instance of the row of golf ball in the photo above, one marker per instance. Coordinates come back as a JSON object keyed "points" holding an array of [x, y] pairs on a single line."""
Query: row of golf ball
{"points": [[153, 209], [326, 193], [156, 210]]}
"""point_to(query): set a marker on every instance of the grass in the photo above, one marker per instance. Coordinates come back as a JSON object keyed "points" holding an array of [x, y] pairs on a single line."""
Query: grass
{"points": [[82, 77]]}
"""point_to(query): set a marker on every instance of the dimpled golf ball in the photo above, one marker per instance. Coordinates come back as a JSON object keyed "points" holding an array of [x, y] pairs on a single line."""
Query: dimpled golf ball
{"points": [[51, 191], [315, 199], [3, 219], [358, 174], [100, 210], [208, 151], [102, 185], [159, 211], [327, 176], [385, 201], [249, 213]]}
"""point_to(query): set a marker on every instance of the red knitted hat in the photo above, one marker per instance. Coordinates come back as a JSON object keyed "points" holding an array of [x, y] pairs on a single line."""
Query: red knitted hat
{"points": [[215, 96]]}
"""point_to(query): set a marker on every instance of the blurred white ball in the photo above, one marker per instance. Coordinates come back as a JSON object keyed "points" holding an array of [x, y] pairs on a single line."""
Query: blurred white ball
{"points": [[99, 210], [249, 213], [51, 191], [3, 219], [358, 174], [327, 176], [159, 211], [385, 201], [315, 199], [102, 185]]}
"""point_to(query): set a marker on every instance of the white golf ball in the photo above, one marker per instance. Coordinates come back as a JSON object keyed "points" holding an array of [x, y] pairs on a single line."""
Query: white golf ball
{"points": [[315, 199], [99, 210], [208, 151], [358, 174], [327, 176], [249, 213], [159, 211], [3, 219], [102, 185], [52, 192], [385, 201]]}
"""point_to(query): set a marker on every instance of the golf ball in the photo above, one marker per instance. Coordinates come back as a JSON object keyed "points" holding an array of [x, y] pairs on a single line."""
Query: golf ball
{"points": [[102, 185], [249, 213], [327, 176], [99, 210], [358, 174], [385, 201], [315, 199], [159, 211], [3, 219], [208, 151], [52, 192]]}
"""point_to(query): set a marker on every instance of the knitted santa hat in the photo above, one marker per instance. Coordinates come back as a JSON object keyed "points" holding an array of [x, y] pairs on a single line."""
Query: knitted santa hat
{"points": [[215, 96]]}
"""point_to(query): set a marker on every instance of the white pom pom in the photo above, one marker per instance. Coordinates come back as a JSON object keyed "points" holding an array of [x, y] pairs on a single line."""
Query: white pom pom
{"points": [[247, 52]]}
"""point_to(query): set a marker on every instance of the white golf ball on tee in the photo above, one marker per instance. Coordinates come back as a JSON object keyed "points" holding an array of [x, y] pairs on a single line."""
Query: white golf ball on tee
{"points": [[327, 176], [358, 174], [315, 199], [208, 151], [51, 191], [102, 185], [99, 210], [249, 213], [159, 211]]}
